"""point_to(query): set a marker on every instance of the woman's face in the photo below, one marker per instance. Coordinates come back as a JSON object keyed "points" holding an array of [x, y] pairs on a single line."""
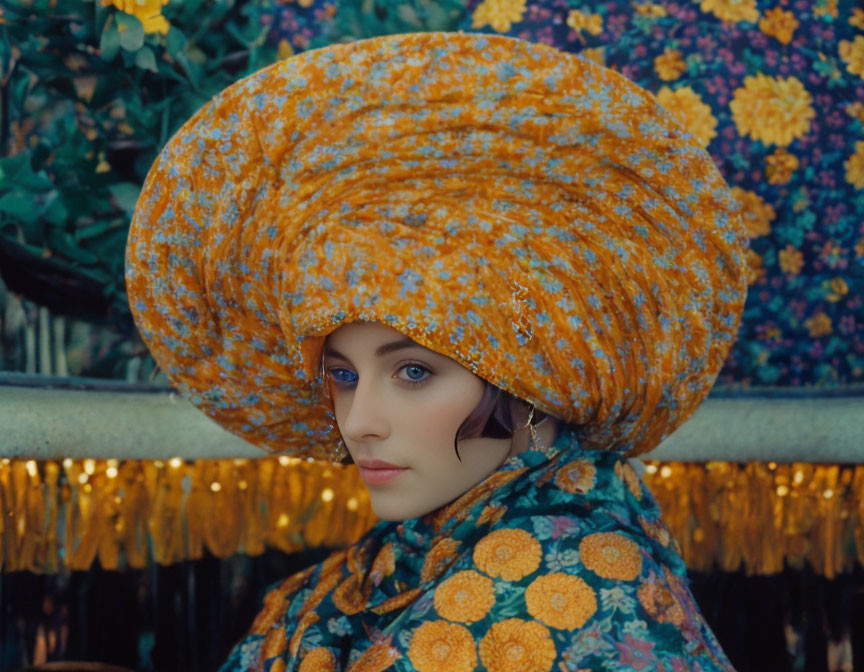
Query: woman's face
{"points": [[398, 403]]}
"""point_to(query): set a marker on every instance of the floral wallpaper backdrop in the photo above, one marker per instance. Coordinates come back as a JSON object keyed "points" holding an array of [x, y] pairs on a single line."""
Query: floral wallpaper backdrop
{"points": [[773, 89]]}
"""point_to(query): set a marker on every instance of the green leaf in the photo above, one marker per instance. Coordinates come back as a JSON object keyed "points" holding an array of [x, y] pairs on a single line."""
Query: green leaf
{"points": [[18, 204], [109, 43], [125, 195], [146, 60], [175, 41], [65, 244], [131, 31]]}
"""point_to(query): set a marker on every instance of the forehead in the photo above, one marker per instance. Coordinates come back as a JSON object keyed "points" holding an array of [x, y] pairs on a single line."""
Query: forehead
{"points": [[361, 337]]}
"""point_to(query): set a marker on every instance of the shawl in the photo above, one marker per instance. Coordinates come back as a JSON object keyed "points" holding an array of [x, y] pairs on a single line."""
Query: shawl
{"points": [[557, 561]]}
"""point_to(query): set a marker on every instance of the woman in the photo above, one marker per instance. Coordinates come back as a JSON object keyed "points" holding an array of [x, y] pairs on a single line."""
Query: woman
{"points": [[413, 247]]}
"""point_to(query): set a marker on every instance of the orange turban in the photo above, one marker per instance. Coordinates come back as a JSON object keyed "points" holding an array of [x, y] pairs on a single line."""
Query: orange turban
{"points": [[531, 214]]}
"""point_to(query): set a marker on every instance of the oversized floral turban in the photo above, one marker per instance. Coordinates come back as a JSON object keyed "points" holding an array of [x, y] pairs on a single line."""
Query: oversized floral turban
{"points": [[533, 215]]}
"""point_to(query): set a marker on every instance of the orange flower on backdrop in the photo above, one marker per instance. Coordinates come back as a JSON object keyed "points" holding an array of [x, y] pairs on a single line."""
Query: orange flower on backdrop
{"points": [[149, 12]]}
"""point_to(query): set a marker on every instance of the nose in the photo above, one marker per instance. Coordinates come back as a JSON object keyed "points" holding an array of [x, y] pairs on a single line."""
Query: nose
{"points": [[366, 417]]}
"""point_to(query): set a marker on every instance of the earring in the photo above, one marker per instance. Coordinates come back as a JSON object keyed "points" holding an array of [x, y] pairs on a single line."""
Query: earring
{"points": [[535, 439], [340, 451]]}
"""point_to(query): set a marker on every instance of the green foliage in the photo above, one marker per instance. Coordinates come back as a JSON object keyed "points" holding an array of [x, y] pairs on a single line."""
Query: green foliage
{"points": [[91, 99], [361, 19]]}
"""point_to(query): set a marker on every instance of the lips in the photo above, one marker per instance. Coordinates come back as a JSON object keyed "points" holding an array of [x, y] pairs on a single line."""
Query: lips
{"points": [[375, 472]]}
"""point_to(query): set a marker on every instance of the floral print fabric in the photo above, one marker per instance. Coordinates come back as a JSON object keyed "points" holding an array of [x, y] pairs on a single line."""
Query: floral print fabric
{"points": [[534, 216], [774, 91], [557, 562]]}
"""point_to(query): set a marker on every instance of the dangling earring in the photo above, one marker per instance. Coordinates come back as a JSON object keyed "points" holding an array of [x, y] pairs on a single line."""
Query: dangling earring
{"points": [[340, 451], [535, 439]]}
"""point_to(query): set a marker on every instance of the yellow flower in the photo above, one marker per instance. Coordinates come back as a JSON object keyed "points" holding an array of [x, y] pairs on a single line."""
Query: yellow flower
{"points": [[593, 23], [651, 10], [856, 110], [855, 166], [438, 559], [514, 645], [818, 325], [772, 110], [491, 514], [284, 49], [731, 10], [149, 12], [791, 260], [756, 213], [319, 659], [510, 554], [439, 646], [839, 289], [466, 597], [857, 18], [500, 14], [669, 65], [754, 267], [561, 601], [695, 115], [660, 603], [379, 656], [779, 24], [611, 555], [779, 166], [596, 54], [826, 8], [852, 54], [577, 476]]}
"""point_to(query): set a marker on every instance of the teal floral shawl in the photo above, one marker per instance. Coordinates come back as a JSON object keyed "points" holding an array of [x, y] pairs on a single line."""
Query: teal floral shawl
{"points": [[557, 561]]}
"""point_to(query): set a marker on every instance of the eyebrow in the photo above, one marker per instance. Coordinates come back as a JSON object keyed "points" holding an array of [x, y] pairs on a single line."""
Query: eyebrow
{"points": [[385, 349]]}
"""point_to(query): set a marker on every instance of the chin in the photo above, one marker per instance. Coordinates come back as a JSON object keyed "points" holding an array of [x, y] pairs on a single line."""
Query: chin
{"points": [[393, 512]]}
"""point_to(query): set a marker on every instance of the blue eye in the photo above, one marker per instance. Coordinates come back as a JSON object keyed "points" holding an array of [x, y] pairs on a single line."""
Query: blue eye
{"points": [[343, 376], [415, 374]]}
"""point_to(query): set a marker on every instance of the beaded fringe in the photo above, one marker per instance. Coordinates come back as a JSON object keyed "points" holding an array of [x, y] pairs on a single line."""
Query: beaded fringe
{"points": [[59, 516]]}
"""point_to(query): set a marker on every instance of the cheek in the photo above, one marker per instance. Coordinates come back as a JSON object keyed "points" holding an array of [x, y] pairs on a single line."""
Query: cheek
{"points": [[433, 418]]}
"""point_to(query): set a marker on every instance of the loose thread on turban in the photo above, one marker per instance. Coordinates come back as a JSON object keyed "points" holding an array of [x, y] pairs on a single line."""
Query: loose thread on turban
{"points": [[57, 516]]}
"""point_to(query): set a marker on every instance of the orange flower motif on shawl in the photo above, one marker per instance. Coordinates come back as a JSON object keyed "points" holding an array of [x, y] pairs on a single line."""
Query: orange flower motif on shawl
{"points": [[577, 476], [514, 645], [656, 529], [611, 555], [660, 603], [380, 656], [384, 564], [465, 597], [439, 646], [274, 643], [509, 554], [276, 600], [459, 509], [350, 597], [439, 558], [320, 659], [561, 601], [302, 626], [397, 601], [626, 473]]}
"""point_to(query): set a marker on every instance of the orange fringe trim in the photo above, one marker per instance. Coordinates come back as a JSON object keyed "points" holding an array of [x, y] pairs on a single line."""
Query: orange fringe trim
{"points": [[64, 515]]}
